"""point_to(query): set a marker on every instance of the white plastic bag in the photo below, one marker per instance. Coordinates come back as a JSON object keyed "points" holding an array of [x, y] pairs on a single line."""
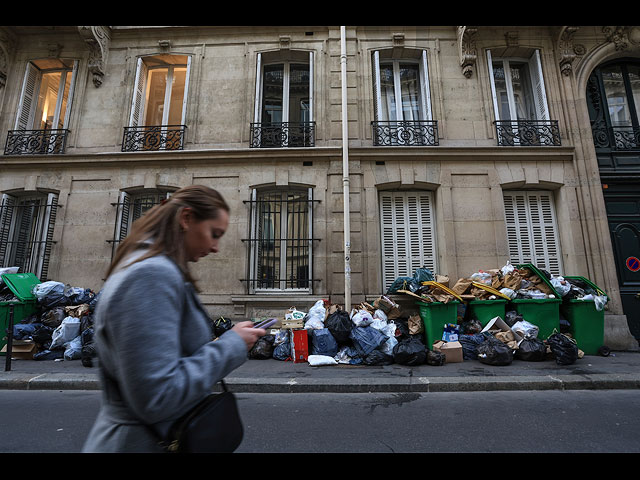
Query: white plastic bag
{"points": [[319, 360], [527, 329], [65, 332], [508, 268], [508, 292], [315, 317], [361, 318], [41, 290], [481, 277], [73, 349], [560, 285]]}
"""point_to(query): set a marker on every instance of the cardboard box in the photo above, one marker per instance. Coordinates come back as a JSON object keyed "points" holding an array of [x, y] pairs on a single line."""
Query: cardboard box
{"points": [[497, 323], [452, 350], [22, 349], [292, 324]]}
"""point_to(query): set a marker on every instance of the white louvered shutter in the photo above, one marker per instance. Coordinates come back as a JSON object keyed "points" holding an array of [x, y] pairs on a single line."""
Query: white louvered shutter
{"points": [[28, 98], [537, 84], [407, 234], [377, 94], [137, 103], [493, 86], [425, 94], [532, 232], [7, 207], [46, 237]]}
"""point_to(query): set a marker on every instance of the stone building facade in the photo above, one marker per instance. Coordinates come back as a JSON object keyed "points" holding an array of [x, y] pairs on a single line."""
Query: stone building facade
{"points": [[468, 146]]}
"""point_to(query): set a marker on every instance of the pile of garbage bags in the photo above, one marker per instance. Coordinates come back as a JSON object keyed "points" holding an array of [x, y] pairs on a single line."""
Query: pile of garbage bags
{"points": [[62, 328]]}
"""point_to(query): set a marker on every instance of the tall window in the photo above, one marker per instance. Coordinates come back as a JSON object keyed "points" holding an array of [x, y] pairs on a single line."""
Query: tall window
{"points": [[26, 232], [402, 101], [130, 207], [159, 105], [283, 115], [532, 232], [281, 241], [407, 224]]}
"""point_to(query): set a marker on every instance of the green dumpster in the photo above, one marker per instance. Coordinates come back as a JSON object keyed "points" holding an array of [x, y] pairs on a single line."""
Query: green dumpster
{"points": [[587, 323], [435, 316], [485, 310], [542, 312], [21, 285]]}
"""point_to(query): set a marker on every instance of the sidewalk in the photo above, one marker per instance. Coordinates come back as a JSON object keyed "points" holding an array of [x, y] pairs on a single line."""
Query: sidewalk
{"points": [[620, 370]]}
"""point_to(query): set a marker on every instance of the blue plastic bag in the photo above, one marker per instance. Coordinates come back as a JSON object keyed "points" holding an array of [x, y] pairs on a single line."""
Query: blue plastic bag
{"points": [[366, 339], [323, 343]]}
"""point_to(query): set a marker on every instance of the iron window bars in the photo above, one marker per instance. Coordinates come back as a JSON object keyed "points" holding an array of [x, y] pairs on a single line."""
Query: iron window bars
{"points": [[285, 134], [26, 233], [405, 133], [156, 137], [527, 133], [29, 142], [281, 242]]}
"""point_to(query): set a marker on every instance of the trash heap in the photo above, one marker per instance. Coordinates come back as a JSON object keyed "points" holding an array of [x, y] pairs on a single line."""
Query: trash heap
{"points": [[61, 328]]}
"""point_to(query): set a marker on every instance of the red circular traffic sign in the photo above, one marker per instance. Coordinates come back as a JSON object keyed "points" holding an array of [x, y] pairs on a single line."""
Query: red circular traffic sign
{"points": [[633, 264]]}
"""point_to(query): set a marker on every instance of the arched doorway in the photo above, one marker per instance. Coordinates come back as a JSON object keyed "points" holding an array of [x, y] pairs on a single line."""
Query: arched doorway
{"points": [[613, 101]]}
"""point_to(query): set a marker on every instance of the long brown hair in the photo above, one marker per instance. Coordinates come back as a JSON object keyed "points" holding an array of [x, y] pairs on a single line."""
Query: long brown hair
{"points": [[161, 225]]}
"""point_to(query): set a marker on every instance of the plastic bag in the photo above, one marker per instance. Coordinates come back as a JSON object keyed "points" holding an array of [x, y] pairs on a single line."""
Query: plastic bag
{"points": [[563, 348], [323, 343], [65, 332], [340, 326], [319, 360], [221, 325], [378, 357], [403, 283], [527, 329], [410, 351], [49, 294], [435, 358], [315, 317], [470, 344], [88, 352], [508, 268], [508, 292], [263, 348], [25, 331], [282, 345], [422, 274], [494, 352], [361, 318], [73, 349], [481, 277], [531, 349], [366, 339], [560, 285]]}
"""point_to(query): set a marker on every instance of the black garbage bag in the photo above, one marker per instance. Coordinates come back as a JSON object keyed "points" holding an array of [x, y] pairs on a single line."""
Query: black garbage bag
{"points": [[404, 283], [494, 352], [221, 325], [78, 295], [435, 358], [340, 326], [410, 351], [48, 355], [402, 328], [470, 344], [263, 348], [511, 317], [282, 350], [531, 349], [366, 339], [42, 335], [53, 317], [564, 349], [470, 327], [378, 357], [323, 343], [24, 331], [88, 351]]}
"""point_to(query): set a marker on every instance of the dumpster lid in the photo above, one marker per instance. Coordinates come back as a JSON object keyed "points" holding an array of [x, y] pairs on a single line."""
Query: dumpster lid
{"points": [[21, 284]]}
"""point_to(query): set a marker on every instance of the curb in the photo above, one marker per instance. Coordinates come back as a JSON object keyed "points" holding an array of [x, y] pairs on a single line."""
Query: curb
{"points": [[420, 384]]}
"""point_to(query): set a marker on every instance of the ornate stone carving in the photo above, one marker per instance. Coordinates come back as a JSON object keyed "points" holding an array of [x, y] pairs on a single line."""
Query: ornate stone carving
{"points": [[566, 50], [98, 38], [617, 35], [7, 47], [467, 49]]}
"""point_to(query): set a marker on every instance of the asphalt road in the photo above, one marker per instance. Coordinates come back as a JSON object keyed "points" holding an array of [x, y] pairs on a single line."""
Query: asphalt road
{"points": [[580, 421]]}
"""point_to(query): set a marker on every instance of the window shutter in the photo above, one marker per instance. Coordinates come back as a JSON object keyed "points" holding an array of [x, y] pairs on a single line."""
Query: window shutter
{"points": [[122, 222], [28, 97], [253, 243], [44, 249], [377, 94], [537, 80], [532, 230], [493, 86], [186, 91], [311, 69], [408, 239], [7, 208], [72, 84], [256, 107], [426, 89], [310, 237], [137, 103]]}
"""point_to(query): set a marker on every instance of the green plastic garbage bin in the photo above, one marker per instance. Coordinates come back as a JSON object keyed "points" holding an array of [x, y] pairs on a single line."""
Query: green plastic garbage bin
{"points": [[21, 285], [485, 310], [587, 323], [435, 316]]}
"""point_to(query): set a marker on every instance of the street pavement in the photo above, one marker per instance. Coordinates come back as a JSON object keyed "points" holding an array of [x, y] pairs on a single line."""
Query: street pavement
{"points": [[619, 370]]}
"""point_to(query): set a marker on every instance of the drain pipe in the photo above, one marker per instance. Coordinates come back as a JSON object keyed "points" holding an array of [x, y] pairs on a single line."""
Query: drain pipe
{"points": [[345, 174]]}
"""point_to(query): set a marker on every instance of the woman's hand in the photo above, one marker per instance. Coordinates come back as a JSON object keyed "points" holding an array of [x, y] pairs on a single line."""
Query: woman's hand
{"points": [[249, 334]]}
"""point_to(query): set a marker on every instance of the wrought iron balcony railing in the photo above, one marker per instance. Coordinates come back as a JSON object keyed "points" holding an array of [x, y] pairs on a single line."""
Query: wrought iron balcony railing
{"points": [[29, 142], [405, 133], [618, 138], [285, 134], [528, 133], [153, 137]]}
